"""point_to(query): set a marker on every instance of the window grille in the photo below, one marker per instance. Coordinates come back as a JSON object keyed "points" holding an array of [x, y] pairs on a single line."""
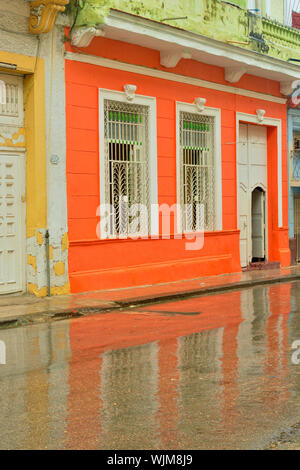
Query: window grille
{"points": [[296, 158], [197, 172], [127, 168]]}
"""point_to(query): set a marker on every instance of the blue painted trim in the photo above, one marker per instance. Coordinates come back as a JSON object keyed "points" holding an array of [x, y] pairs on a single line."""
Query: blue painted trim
{"points": [[293, 125]]}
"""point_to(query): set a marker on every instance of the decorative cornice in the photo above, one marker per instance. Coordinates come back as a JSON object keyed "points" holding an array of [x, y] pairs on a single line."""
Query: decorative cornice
{"points": [[288, 87], [170, 59], [162, 74], [43, 14], [234, 74], [82, 37], [294, 100]]}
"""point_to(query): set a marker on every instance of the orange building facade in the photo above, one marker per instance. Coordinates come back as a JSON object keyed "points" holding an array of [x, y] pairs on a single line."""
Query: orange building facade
{"points": [[248, 117]]}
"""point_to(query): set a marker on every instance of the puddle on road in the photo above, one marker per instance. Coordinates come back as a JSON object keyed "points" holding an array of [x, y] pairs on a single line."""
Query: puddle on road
{"points": [[173, 378]]}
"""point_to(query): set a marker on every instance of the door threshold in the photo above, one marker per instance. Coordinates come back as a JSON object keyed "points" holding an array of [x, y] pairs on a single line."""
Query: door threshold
{"points": [[261, 265]]}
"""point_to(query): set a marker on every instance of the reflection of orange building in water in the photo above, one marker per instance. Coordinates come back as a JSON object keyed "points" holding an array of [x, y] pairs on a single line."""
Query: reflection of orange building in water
{"points": [[164, 381], [153, 374], [174, 375]]}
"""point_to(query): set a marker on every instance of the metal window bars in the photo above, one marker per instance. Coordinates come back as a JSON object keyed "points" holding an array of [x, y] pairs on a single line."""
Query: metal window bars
{"points": [[197, 172], [127, 168], [296, 158], [296, 167]]}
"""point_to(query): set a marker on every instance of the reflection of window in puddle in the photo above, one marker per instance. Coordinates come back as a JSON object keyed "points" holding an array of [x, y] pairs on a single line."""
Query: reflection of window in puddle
{"points": [[129, 386], [261, 309], [201, 352], [252, 335], [200, 369]]}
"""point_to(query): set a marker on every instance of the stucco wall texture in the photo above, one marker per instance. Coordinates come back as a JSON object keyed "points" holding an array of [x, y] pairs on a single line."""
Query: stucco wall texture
{"points": [[97, 264], [41, 61]]}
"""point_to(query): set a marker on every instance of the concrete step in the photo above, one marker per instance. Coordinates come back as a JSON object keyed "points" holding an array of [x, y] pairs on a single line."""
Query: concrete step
{"points": [[262, 265]]}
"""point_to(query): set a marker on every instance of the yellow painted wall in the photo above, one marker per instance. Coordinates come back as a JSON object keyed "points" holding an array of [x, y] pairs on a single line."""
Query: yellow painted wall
{"points": [[35, 131], [36, 171], [35, 140]]}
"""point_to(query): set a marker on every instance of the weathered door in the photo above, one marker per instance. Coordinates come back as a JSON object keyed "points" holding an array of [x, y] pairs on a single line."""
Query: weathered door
{"points": [[11, 224], [243, 195], [252, 172]]}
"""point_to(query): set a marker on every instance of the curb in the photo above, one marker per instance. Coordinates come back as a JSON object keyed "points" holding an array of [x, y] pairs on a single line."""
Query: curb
{"points": [[46, 316], [206, 291]]}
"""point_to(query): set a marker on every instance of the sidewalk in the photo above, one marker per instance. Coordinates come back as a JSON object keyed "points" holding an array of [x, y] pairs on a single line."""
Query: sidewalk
{"points": [[27, 308]]}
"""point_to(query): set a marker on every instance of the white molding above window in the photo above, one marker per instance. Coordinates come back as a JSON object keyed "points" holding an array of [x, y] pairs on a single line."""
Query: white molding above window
{"points": [[150, 102], [216, 114], [174, 77]]}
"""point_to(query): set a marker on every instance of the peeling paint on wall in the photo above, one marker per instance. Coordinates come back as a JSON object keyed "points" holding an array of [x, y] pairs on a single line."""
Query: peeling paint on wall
{"points": [[37, 262], [40, 238], [65, 242], [12, 136], [44, 105], [59, 268], [36, 272], [58, 259], [31, 261], [224, 21]]}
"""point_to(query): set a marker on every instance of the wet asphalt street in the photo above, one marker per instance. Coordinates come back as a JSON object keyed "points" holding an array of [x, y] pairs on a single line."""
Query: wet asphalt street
{"points": [[211, 372]]}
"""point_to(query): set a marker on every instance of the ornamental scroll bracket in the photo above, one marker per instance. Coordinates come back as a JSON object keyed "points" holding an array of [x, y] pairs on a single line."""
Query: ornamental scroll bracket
{"points": [[43, 14], [82, 37], [200, 104], [129, 91], [260, 113]]}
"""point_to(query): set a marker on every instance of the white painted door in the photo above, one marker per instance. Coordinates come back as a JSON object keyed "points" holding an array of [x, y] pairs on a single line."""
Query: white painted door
{"points": [[244, 195], [11, 224], [252, 173], [258, 224]]}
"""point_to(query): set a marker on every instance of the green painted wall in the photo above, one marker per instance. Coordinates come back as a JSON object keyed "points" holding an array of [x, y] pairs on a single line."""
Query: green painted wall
{"points": [[224, 21], [241, 3]]}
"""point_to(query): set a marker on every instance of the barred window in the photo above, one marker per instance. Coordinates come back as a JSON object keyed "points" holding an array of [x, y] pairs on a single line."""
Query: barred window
{"points": [[11, 106], [127, 167], [197, 165], [11, 100]]}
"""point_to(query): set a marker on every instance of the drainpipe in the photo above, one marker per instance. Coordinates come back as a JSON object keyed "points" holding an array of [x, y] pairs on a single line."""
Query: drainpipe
{"points": [[48, 262]]}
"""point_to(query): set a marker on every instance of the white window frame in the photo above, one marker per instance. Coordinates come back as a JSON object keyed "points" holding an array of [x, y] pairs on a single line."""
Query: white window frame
{"points": [[150, 102], [216, 114], [14, 120]]}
